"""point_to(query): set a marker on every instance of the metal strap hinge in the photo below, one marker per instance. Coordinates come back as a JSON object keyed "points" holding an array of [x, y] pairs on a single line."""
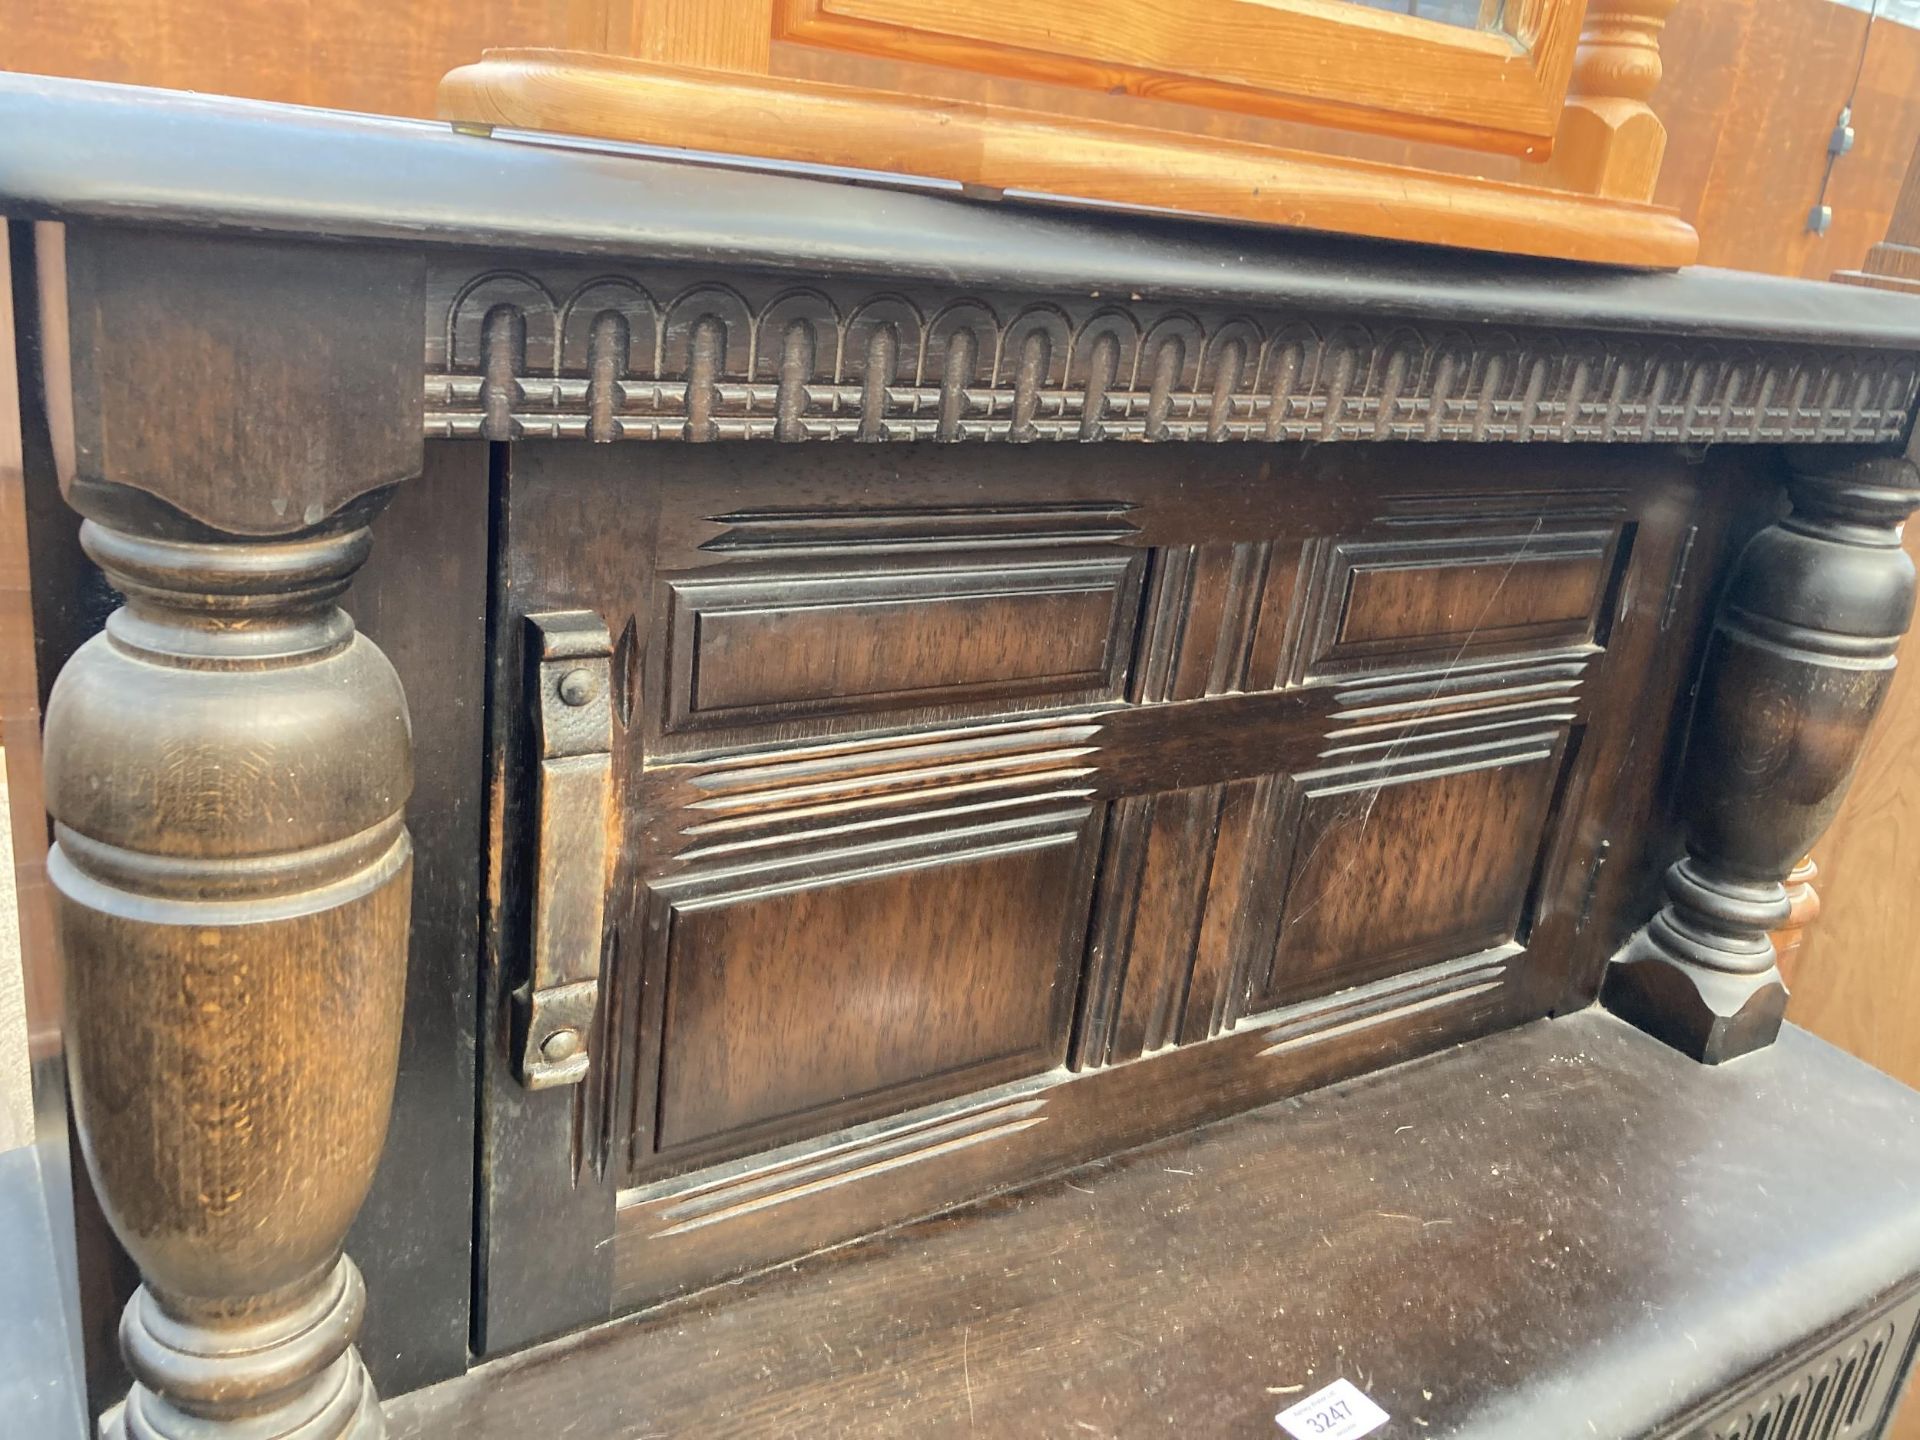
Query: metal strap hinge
{"points": [[570, 682]]}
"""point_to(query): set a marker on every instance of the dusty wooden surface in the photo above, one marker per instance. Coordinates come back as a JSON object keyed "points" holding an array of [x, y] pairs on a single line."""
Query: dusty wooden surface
{"points": [[1513, 1229]]}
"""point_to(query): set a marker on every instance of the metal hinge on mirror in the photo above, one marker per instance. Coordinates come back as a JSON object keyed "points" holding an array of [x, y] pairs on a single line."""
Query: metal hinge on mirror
{"points": [[569, 668]]}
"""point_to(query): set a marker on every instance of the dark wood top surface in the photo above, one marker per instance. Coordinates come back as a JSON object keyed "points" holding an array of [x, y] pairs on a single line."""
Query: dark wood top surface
{"points": [[77, 150], [1510, 1239]]}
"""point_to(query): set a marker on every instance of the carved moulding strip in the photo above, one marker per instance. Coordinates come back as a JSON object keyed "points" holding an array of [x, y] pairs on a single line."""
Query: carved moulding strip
{"points": [[606, 356]]}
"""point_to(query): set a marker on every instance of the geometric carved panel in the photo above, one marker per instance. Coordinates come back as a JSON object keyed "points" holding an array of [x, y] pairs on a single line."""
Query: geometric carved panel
{"points": [[809, 994], [957, 783], [748, 648], [1394, 872], [1216, 621], [1399, 602], [1166, 961]]}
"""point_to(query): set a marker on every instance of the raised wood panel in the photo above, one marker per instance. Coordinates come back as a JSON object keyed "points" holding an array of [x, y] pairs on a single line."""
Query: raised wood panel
{"points": [[1399, 871], [1497, 595], [867, 961], [687, 1232], [1218, 620], [758, 648], [1391, 602], [837, 986], [735, 35], [1166, 949]]}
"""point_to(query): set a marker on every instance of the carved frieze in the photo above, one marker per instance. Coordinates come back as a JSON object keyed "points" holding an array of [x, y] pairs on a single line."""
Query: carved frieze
{"points": [[612, 356]]}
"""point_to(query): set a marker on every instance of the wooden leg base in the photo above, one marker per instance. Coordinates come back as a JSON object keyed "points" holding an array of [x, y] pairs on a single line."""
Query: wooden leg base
{"points": [[1711, 1015], [291, 1375], [365, 1422], [1799, 662]]}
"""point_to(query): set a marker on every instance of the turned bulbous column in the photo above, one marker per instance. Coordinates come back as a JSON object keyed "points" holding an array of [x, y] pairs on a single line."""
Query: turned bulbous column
{"points": [[226, 768], [1797, 666]]}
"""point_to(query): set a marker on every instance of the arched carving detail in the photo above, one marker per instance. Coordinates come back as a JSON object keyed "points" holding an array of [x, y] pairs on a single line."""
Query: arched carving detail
{"points": [[759, 359], [467, 317]]}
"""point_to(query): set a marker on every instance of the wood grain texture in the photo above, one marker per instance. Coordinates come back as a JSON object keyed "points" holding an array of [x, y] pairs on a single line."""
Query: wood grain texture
{"points": [[833, 998], [763, 1210], [1864, 976], [586, 94], [1148, 984], [1610, 141], [1344, 67], [1471, 597], [846, 941], [1746, 117], [1203, 740], [1364, 896], [168, 359], [1430, 603], [345, 54], [737, 35], [1857, 985], [429, 617], [194, 1083], [232, 876], [1791, 65], [1854, 982], [1859, 990], [1168, 1291], [1748, 97], [855, 637]]}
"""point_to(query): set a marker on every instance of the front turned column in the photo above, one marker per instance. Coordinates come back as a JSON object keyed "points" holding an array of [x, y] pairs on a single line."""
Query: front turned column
{"points": [[226, 768], [1798, 663]]}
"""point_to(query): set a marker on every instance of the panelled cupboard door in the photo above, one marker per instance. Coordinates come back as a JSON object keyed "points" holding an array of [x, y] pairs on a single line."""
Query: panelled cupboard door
{"points": [[980, 810], [1488, 74]]}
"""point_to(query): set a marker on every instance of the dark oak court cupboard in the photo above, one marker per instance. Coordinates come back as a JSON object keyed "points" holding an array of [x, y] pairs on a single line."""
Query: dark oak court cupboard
{"points": [[954, 921]]}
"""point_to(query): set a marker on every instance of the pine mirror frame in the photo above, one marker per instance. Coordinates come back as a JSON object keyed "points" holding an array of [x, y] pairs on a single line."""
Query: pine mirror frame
{"points": [[1326, 62]]}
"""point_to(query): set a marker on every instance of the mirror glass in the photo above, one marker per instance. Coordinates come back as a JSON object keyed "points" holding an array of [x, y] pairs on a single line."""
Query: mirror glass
{"points": [[1468, 14]]}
